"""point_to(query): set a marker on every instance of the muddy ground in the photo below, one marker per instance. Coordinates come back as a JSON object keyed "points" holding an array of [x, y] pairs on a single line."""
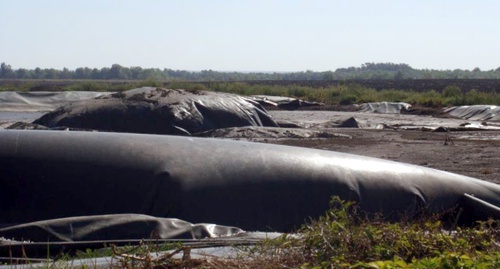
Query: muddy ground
{"points": [[472, 153]]}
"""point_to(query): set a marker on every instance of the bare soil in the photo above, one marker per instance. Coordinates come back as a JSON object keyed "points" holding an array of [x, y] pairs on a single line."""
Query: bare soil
{"points": [[471, 153]]}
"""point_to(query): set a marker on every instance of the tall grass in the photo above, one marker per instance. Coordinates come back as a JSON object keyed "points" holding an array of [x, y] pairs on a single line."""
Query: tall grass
{"points": [[354, 93], [343, 94]]}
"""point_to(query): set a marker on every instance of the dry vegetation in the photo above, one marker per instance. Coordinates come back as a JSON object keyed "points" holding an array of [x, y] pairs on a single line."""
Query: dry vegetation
{"points": [[341, 238]]}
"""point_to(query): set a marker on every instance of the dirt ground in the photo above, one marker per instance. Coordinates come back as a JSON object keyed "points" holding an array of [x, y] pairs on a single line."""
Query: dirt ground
{"points": [[471, 153], [405, 138]]}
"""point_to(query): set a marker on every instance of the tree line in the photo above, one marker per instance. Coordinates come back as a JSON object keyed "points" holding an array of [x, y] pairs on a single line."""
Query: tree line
{"points": [[365, 71]]}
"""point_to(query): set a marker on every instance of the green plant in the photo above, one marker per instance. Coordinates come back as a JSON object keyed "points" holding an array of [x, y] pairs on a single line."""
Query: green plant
{"points": [[348, 99], [475, 97], [347, 93], [452, 91], [87, 86], [344, 238], [150, 82], [190, 86]]}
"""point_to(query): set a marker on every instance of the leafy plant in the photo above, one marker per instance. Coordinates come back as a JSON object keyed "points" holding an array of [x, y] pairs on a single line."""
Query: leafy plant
{"points": [[343, 238]]}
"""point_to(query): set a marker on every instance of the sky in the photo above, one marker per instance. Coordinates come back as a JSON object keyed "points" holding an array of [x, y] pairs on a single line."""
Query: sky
{"points": [[250, 36]]}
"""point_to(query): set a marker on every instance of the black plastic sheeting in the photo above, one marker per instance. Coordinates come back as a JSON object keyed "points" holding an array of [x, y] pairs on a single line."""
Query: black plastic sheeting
{"points": [[475, 112], [160, 111], [283, 102], [115, 227], [41, 101], [36, 239], [385, 107], [254, 186], [262, 133]]}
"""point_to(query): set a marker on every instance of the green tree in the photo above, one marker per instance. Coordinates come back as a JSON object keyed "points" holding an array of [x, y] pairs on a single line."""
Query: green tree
{"points": [[116, 72], [6, 71], [50, 74], [23, 73], [399, 75], [83, 73]]}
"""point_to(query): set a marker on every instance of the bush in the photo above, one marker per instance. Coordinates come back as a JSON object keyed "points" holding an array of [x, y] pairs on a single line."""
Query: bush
{"points": [[189, 86], [92, 86], [150, 82], [342, 238], [348, 99], [297, 91], [475, 97], [452, 91], [393, 95]]}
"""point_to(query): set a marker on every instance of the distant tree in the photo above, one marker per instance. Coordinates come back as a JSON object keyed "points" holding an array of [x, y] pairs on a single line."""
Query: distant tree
{"points": [[116, 72], [136, 73], [66, 74], [83, 73], [22, 73], [6, 71], [365, 71], [399, 75], [96, 74], [50, 73], [328, 75], [38, 73], [104, 73]]}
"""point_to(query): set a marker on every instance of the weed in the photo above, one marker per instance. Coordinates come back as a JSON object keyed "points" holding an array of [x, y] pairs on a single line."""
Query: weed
{"points": [[341, 238]]}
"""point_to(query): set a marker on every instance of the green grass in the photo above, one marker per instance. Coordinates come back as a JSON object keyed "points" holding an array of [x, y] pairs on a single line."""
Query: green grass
{"points": [[352, 93], [345, 94]]}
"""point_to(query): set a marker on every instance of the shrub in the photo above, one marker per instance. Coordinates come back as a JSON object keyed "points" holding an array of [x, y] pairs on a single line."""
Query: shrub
{"points": [[475, 97], [297, 91], [452, 91], [189, 86], [348, 99], [150, 82], [343, 238], [93, 86], [393, 95]]}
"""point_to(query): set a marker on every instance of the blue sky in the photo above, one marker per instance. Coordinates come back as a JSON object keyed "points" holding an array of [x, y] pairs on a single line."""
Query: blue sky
{"points": [[250, 35]]}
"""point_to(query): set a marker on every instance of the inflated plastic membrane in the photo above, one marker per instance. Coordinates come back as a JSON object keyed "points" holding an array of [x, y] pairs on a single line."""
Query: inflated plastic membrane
{"points": [[47, 238], [475, 112], [254, 186], [385, 107]]}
